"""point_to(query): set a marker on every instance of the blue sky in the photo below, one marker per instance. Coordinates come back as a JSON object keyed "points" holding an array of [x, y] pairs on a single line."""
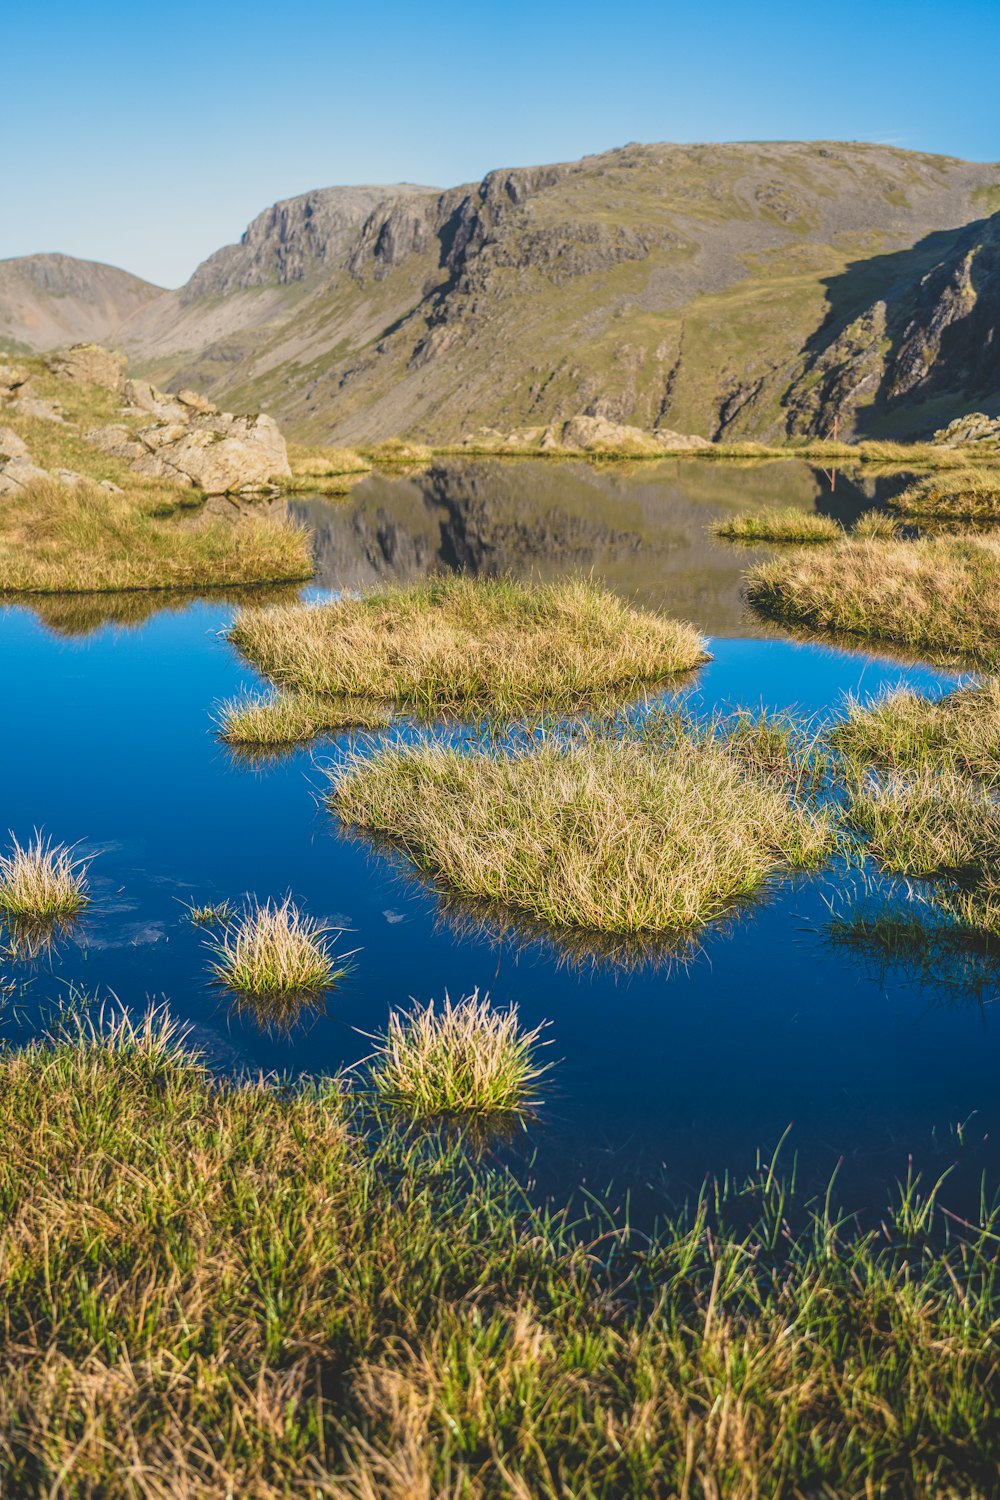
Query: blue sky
{"points": [[148, 136]]}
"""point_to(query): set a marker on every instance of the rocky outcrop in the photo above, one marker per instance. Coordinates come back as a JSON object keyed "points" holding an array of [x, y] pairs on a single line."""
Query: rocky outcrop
{"points": [[586, 434], [90, 364], [192, 442], [974, 428], [17, 470], [17, 395]]}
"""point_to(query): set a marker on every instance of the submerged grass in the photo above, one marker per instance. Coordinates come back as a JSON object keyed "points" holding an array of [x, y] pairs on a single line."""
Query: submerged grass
{"points": [[41, 881], [265, 720], [787, 524], [274, 949], [57, 539], [940, 596], [217, 1289], [494, 646], [613, 834], [467, 1059]]}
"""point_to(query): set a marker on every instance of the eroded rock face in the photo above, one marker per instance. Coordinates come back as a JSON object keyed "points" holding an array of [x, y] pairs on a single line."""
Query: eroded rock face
{"points": [[90, 364], [191, 442]]}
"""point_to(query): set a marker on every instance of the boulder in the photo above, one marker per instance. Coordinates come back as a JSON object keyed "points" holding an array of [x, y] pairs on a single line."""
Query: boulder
{"points": [[90, 364], [12, 381], [141, 396], [974, 428], [216, 452], [11, 446], [34, 406], [16, 467], [599, 434]]}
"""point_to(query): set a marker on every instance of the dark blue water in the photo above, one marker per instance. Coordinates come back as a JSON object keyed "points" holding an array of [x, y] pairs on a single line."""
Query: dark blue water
{"points": [[664, 1069]]}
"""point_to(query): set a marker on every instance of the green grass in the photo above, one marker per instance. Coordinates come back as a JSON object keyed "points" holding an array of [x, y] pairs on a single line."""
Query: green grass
{"points": [[54, 539], [41, 881], [460, 643], [266, 720], [787, 524], [939, 596], [274, 950], [612, 834], [216, 1289], [467, 1059], [903, 729], [929, 821]]}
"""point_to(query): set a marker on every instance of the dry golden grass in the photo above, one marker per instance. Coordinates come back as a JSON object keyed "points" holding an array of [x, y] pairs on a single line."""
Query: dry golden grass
{"points": [[959, 731], [965, 494], [615, 835], [466, 1059], [940, 596], [929, 821], [465, 643], [274, 949], [41, 880], [275, 719], [56, 539], [787, 524]]}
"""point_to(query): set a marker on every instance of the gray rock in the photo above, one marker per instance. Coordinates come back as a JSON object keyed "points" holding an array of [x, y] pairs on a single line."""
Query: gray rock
{"points": [[216, 452], [90, 364], [974, 428]]}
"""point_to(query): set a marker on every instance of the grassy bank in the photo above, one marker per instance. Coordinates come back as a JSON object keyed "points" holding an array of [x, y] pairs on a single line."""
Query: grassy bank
{"points": [[56, 539], [283, 1301], [936, 596], [467, 644], [968, 494], [613, 835], [785, 524]]}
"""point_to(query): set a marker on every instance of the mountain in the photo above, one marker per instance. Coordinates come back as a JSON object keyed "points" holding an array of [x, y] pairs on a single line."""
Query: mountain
{"points": [[48, 301], [741, 290]]}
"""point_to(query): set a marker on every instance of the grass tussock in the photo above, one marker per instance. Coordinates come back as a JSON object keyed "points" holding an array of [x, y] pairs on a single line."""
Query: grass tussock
{"points": [[467, 1059], [903, 729], [275, 950], [611, 834], [967, 494], [56, 539], [276, 719], [787, 524], [41, 881], [238, 1289], [936, 596], [461, 643], [929, 821]]}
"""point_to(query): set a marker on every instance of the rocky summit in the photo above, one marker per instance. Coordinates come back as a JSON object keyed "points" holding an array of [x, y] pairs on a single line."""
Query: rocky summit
{"points": [[759, 290]]}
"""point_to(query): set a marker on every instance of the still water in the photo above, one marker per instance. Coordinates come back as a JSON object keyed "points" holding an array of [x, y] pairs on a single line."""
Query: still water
{"points": [[664, 1072]]}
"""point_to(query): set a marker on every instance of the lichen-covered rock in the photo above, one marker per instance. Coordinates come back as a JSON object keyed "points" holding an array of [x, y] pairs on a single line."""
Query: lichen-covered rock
{"points": [[90, 364], [974, 428], [213, 451]]}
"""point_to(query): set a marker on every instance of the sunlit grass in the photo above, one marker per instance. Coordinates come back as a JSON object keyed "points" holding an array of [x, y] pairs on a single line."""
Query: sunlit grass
{"points": [[469, 1059], [939, 596], [615, 834], [275, 949], [42, 880], [903, 728], [929, 821], [263, 720], [962, 494], [458, 643], [784, 524], [253, 1289]]}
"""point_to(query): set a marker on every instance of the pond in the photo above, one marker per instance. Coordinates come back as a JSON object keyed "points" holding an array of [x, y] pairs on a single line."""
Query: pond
{"points": [[664, 1071]]}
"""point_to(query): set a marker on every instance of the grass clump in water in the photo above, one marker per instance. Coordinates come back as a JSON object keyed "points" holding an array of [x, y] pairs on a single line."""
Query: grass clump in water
{"points": [[275, 950], [785, 525], [611, 834], [265, 720], [467, 1059], [960, 731], [930, 821], [42, 881], [968, 494], [938, 596], [58, 539], [494, 646], [267, 1249]]}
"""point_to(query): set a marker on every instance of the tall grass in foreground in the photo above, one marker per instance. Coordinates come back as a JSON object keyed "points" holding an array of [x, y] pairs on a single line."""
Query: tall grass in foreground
{"points": [[465, 1059], [42, 881], [56, 539], [614, 834], [939, 596], [274, 949], [458, 643], [784, 524], [286, 1301]]}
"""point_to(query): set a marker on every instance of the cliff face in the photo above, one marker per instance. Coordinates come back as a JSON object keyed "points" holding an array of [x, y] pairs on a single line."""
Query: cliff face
{"points": [[51, 300], [730, 291]]}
